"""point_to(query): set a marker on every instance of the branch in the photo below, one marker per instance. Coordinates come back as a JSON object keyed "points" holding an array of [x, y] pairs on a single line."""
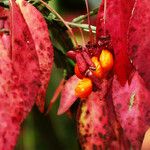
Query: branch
{"points": [[83, 17], [83, 26]]}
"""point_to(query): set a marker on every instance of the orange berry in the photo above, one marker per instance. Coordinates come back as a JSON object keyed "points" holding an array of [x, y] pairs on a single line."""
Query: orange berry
{"points": [[106, 60], [84, 88], [99, 70], [77, 72]]}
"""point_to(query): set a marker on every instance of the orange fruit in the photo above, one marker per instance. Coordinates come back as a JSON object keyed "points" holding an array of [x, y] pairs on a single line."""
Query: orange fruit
{"points": [[99, 70], [106, 60], [84, 88]]}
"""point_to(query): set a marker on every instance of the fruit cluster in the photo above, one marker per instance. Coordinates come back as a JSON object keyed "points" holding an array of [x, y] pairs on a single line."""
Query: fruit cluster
{"points": [[102, 65]]}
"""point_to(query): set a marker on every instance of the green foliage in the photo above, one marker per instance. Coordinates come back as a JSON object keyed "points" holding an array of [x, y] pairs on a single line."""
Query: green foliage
{"points": [[4, 3], [61, 44]]}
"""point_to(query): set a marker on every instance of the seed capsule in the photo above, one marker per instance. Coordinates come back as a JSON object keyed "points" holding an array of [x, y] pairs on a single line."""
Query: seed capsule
{"points": [[84, 88], [99, 70], [106, 60], [77, 72]]}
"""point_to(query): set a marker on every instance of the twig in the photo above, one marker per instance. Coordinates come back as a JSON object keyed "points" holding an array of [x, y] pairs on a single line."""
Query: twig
{"points": [[89, 22], [83, 26], [3, 30], [83, 17]]}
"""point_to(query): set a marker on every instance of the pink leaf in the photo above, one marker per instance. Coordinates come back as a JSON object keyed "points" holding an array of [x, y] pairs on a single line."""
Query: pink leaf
{"points": [[120, 142], [7, 126], [68, 96], [24, 56], [132, 107], [81, 63], [117, 16], [93, 124], [139, 39], [40, 35], [19, 83]]}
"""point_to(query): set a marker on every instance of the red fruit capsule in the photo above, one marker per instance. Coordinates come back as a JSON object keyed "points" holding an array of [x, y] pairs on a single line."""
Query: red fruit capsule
{"points": [[71, 54], [77, 72], [82, 65]]}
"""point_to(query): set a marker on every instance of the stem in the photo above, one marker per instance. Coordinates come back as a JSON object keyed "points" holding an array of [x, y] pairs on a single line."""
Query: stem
{"points": [[3, 30], [53, 11], [90, 30], [82, 17], [83, 26], [82, 36], [77, 25], [87, 30], [104, 16]]}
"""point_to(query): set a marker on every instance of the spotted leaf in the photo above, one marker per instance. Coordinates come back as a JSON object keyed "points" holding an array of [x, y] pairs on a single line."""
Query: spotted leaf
{"points": [[120, 142], [132, 107], [139, 41], [93, 125], [19, 83], [40, 35]]}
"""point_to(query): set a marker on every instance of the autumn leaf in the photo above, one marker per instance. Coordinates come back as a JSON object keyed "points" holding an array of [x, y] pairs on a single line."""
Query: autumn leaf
{"points": [[94, 129], [19, 76], [130, 93], [44, 49], [138, 41], [132, 107], [26, 58]]}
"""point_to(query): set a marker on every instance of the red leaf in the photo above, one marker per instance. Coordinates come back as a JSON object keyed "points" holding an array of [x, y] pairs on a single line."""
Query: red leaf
{"points": [[81, 63], [24, 56], [117, 15], [132, 107], [93, 125], [68, 96], [120, 142], [7, 126], [40, 35], [19, 84], [139, 39]]}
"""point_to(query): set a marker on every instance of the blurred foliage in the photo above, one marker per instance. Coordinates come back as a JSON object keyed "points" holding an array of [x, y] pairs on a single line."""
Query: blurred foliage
{"points": [[71, 5], [4, 3], [61, 44]]}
